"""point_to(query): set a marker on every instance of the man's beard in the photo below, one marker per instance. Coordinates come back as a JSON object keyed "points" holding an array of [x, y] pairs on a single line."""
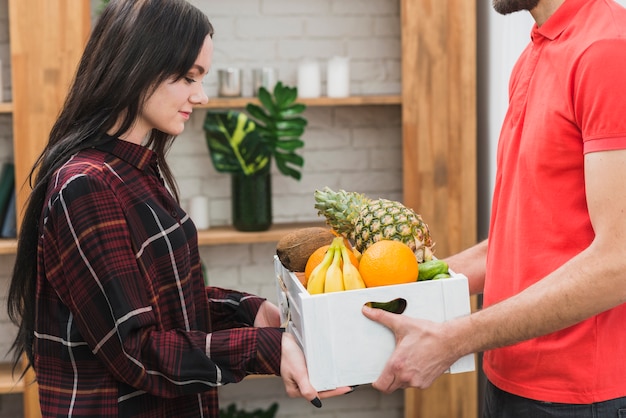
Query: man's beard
{"points": [[506, 7]]}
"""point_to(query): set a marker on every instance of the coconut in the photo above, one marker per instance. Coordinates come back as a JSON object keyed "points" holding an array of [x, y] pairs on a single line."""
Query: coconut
{"points": [[295, 248]]}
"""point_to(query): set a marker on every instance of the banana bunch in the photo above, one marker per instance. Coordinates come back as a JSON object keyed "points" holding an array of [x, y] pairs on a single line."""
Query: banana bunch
{"points": [[336, 272]]}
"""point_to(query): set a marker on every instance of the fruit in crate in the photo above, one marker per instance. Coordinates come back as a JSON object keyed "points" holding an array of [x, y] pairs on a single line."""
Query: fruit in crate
{"points": [[388, 262], [295, 248], [335, 272], [365, 221], [433, 270], [318, 256]]}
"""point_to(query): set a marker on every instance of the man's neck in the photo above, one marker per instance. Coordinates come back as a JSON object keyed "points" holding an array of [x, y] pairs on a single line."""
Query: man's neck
{"points": [[545, 9]]}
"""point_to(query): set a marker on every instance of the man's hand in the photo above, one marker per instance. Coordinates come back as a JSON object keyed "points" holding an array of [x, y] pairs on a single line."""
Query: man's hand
{"points": [[421, 355]]}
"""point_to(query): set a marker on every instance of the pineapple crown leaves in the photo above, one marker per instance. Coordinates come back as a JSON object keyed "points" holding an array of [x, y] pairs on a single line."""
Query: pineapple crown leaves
{"points": [[234, 144], [366, 221], [341, 209], [246, 144]]}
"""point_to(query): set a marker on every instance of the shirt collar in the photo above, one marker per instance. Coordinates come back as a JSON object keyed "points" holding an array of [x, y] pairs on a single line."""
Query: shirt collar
{"points": [[559, 21], [134, 154]]}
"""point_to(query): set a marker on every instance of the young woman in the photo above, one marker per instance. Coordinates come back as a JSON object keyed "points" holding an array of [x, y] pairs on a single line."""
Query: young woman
{"points": [[107, 288]]}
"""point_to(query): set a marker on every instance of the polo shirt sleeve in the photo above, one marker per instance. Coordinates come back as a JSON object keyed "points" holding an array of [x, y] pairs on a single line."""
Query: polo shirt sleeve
{"points": [[599, 95]]}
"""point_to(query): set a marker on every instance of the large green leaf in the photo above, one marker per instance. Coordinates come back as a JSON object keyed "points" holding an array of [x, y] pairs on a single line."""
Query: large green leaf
{"points": [[235, 144], [259, 114], [290, 144], [292, 110], [281, 126], [242, 144], [266, 100], [285, 161], [285, 95]]}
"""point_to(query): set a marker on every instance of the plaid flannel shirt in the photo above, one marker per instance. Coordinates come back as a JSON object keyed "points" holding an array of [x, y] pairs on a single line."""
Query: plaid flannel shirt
{"points": [[124, 324]]}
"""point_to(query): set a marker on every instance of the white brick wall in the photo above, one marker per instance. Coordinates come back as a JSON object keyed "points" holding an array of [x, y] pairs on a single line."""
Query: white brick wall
{"points": [[354, 148], [281, 32]]}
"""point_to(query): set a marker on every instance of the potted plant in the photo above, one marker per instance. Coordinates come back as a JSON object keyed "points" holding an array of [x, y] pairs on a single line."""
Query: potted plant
{"points": [[244, 145], [101, 6], [233, 412]]}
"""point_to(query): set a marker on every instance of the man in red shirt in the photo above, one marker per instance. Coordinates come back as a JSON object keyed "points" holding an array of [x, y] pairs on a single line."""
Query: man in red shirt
{"points": [[553, 270]]}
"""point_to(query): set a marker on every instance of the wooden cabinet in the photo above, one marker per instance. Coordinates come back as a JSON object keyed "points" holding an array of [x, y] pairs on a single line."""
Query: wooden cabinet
{"points": [[439, 154], [439, 134], [46, 41]]}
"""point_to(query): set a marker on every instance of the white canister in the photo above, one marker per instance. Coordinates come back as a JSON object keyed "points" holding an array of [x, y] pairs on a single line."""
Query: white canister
{"points": [[199, 211], [309, 79], [338, 77]]}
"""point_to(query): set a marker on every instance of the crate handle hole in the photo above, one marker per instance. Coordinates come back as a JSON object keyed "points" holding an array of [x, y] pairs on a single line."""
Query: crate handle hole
{"points": [[396, 306]]}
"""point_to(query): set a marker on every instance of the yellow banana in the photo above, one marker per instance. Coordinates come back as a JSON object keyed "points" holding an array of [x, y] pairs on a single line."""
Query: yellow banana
{"points": [[351, 276], [334, 277], [317, 278], [356, 253]]}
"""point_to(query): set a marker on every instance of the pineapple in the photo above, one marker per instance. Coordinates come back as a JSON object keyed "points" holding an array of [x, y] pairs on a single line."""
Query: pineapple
{"points": [[365, 221]]}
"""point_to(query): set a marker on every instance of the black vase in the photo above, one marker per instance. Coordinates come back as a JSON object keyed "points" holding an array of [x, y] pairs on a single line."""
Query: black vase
{"points": [[252, 201]]}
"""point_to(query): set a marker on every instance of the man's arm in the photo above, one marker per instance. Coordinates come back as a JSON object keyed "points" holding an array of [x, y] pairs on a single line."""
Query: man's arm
{"points": [[590, 283], [472, 263]]}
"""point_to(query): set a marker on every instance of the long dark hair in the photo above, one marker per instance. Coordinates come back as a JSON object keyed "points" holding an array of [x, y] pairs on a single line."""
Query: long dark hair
{"points": [[135, 46]]}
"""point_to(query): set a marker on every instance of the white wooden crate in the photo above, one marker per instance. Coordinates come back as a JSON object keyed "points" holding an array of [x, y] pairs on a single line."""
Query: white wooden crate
{"points": [[344, 348]]}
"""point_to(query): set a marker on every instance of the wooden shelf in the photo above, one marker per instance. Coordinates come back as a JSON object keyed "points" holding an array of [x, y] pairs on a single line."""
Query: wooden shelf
{"points": [[6, 107], [241, 102], [9, 383], [228, 235], [8, 246], [214, 236]]}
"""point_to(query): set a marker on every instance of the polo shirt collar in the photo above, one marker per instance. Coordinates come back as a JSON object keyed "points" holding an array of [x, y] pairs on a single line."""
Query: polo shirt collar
{"points": [[134, 154], [558, 22]]}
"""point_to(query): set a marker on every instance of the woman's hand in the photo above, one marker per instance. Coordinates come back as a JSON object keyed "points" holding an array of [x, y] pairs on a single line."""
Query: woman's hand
{"points": [[295, 375], [267, 316]]}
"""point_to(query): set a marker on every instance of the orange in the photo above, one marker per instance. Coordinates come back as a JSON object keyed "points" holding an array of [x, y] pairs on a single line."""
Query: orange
{"points": [[317, 256], [388, 262]]}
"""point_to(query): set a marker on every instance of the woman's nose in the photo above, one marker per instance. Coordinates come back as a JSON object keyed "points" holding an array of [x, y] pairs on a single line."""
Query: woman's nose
{"points": [[200, 96]]}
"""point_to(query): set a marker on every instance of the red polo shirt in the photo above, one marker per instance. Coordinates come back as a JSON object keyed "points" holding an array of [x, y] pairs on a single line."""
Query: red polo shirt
{"points": [[567, 98]]}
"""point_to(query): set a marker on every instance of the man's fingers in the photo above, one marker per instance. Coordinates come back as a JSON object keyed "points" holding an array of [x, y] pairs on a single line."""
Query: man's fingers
{"points": [[385, 383], [381, 316]]}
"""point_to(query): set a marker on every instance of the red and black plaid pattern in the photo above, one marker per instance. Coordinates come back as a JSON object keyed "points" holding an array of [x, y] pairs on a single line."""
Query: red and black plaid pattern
{"points": [[124, 324]]}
